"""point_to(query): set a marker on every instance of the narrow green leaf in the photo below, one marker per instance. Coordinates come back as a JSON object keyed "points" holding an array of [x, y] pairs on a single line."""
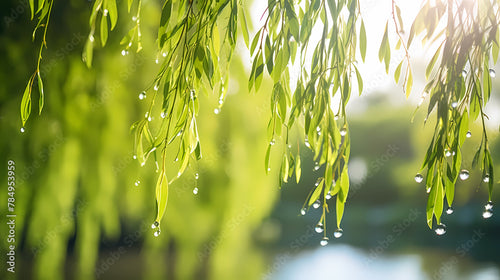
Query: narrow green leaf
{"points": [[298, 169], [244, 26], [360, 80], [432, 62], [161, 195], [255, 41], [112, 11], [362, 40], [32, 8], [397, 72], [383, 44], [165, 13], [267, 161], [26, 102], [104, 30], [317, 192], [409, 83], [129, 5], [339, 211], [42, 95]]}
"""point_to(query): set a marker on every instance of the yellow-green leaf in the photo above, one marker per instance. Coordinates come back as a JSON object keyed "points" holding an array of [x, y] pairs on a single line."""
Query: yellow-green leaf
{"points": [[362, 40], [26, 102], [161, 195], [42, 95]]}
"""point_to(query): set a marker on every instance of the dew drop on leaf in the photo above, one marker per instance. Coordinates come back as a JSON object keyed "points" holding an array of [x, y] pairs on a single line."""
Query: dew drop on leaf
{"points": [[338, 233], [216, 111], [124, 52], [162, 115], [468, 134], [343, 132], [134, 18], [464, 175], [492, 73], [157, 233], [324, 241], [486, 178], [137, 183], [306, 142], [419, 178], [488, 205], [105, 12], [142, 95], [328, 195], [487, 213], [319, 228], [195, 190], [449, 211], [303, 211], [454, 104], [155, 225], [316, 204], [22, 129], [196, 176], [440, 229], [156, 87], [272, 142]]}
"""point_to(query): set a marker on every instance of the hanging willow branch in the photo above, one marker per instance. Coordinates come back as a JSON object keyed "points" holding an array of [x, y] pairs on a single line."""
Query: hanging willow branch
{"points": [[196, 40]]}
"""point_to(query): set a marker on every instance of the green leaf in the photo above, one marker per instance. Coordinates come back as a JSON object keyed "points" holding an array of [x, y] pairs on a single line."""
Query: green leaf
{"points": [[267, 161], [255, 41], [284, 167], [317, 191], [110, 5], [360, 80], [26, 102], [432, 62], [397, 72], [339, 211], [383, 45], [129, 5], [197, 151], [362, 40], [298, 169], [409, 83], [161, 195], [32, 8], [244, 26], [42, 95], [344, 185], [165, 13], [87, 53], [104, 30]]}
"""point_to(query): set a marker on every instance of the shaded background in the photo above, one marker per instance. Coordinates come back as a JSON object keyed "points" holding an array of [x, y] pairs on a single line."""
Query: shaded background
{"points": [[84, 207]]}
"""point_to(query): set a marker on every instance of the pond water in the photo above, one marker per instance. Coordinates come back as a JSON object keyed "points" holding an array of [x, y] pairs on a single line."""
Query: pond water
{"points": [[347, 262]]}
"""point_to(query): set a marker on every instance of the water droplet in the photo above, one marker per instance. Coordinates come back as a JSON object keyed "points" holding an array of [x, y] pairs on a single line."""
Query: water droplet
{"points": [[157, 233], [216, 111], [486, 178], [464, 73], [449, 211], [143, 163], [124, 52], [163, 115], [289, 146], [176, 159], [336, 117], [468, 134], [328, 195], [22, 129], [319, 228], [179, 174], [440, 229], [134, 18], [91, 38], [195, 190], [464, 175], [306, 142], [316, 165], [447, 153], [268, 169], [303, 211], [142, 95], [428, 190], [454, 104], [316, 204], [137, 183], [157, 61], [164, 54], [487, 213], [419, 178], [196, 176], [134, 157], [105, 12], [492, 73], [149, 118], [156, 87], [338, 233], [155, 225], [324, 241], [221, 101], [318, 129], [343, 131], [488, 205], [272, 142]]}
